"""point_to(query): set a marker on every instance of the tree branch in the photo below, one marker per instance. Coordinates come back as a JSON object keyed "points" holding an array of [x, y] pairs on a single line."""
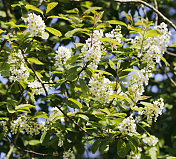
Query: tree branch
{"points": [[156, 15], [30, 151]]}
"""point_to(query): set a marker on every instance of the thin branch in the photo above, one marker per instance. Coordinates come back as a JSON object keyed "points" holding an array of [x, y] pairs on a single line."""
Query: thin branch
{"points": [[166, 72], [156, 15], [170, 53], [30, 151]]}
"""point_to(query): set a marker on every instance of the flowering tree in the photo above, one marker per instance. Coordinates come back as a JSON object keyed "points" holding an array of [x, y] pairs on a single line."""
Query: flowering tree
{"points": [[56, 103]]}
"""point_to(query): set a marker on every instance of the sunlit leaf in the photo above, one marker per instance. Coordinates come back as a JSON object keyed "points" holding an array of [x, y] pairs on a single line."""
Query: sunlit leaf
{"points": [[50, 6]]}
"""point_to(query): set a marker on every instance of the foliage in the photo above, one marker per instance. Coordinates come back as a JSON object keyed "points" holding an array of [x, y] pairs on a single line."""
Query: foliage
{"points": [[57, 103]]}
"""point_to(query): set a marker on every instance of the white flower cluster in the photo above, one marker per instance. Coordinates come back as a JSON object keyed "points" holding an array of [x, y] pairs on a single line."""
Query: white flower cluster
{"points": [[63, 54], [132, 155], [3, 124], [25, 124], [101, 87], [154, 111], [37, 88], [136, 86], [127, 126], [35, 24], [92, 50], [116, 35], [151, 141], [68, 154], [153, 47], [17, 67]]}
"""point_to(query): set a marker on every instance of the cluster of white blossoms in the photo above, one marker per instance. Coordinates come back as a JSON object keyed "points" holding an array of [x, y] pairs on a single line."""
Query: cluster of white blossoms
{"points": [[3, 126], [36, 24], [154, 111], [136, 84], [37, 88], [62, 55], [101, 88], [127, 126], [92, 50], [132, 155], [25, 124], [68, 154], [153, 47], [116, 35], [18, 69], [151, 140]]}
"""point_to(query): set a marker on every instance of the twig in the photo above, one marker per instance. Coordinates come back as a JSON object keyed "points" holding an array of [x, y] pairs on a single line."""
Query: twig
{"points": [[147, 5], [170, 53], [30, 151], [166, 72], [156, 15]]}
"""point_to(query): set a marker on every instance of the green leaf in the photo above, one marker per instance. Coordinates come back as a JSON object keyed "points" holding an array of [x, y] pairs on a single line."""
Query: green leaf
{"points": [[24, 108], [129, 17], [150, 105], [164, 60], [131, 70], [76, 102], [2, 31], [13, 25], [144, 97], [54, 31], [98, 17], [50, 6], [116, 22], [75, 10], [60, 17], [34, 142], [83, 86], [43, 137], [111, 41], [120, 97], [95, 146], [152, 33], [122, 150], [103, 72], [92, 9], [40, 115], [72, 59], [112, 65], [10, 109], [104, 147], [36, 61], [28, 6], [70, 33]]}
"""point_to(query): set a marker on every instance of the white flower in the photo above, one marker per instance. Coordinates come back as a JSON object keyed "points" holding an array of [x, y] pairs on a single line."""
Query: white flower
{"points": [[68, 154], [127, 126], [101, 87], [151, 141], [18, 69], [62, 55], [35, 24], [55, 109]]}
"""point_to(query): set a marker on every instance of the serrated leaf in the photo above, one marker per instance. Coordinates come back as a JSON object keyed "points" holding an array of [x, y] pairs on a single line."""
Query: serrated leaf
{"points": [[98, 17], [112, 65], [92, 9], [116, 22], [54, 31], [28, 6], [50, 6], [36, 61], [122, 148], [76, 102]]}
